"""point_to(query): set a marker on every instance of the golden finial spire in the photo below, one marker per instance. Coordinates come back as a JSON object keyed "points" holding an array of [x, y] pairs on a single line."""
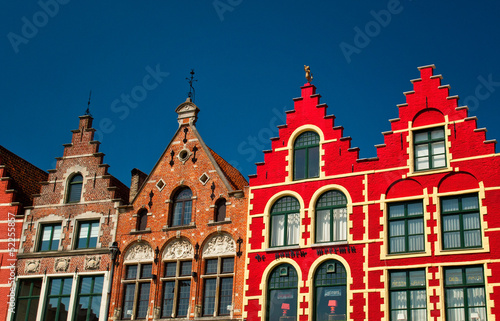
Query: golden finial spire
{"points": [[309, 75]]}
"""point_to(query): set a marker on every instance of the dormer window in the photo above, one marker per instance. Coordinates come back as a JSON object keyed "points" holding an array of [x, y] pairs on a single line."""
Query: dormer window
{"points": [[306, 156], [430, 151], [75, 189]]}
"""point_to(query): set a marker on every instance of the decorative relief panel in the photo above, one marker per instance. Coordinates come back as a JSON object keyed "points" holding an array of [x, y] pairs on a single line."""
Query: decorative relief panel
{"points": [[61, 265], [32, 266], [220, 245], [179, 249], [92, 262], [139, 252]]}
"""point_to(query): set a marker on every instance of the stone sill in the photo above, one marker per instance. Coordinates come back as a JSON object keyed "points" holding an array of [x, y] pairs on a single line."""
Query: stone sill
{"points": [[176, 228], [134, 232], [219, 223]]}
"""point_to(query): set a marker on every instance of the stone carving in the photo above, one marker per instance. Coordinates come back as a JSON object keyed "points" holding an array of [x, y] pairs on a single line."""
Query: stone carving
{"points": [[32, 266], [61, 265], [139, 252], [220, 245], [178, 249], [92, 262]]}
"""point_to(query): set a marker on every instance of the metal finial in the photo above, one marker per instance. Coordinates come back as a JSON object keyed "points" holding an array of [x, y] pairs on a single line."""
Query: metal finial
{"points": [[87, 112], [191, 88]]}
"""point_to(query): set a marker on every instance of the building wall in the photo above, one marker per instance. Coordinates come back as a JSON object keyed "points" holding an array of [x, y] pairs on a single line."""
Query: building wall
{"points": [[195, 241], [18, 181], [101, 195], [371, 186]]}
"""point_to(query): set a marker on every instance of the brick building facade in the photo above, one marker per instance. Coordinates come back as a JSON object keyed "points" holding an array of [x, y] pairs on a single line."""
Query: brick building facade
{"points": [[19, 180], [181, 239], [407, 235], [64, 258]]}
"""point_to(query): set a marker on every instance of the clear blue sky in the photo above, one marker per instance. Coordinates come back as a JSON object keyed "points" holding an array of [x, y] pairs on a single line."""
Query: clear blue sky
{"points": [[248, 57]]}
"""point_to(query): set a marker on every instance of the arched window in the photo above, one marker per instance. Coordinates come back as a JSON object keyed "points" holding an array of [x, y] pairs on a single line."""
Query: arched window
{"points": [[182, 207], [330, 297], [142, 220], [75, 189], [331, 217], [220, 210], [285, 222], [306, 156], [282, 294]]}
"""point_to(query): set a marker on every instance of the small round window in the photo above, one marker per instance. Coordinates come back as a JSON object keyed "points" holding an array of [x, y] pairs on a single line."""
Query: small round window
{"points": [[183, 155]]}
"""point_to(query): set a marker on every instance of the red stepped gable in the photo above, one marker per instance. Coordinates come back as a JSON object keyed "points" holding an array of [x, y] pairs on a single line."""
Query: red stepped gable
{"points": [[341, 241]]}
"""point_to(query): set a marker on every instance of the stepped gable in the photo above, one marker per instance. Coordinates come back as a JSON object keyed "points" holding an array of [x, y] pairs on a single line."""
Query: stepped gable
{"points": [[25, 176], [82, 155], [308, 114]]}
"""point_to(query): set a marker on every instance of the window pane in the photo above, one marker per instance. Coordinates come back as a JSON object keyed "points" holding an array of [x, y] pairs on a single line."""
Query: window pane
{"points": [[209, 297], [142, 304], [469, 203], [128, 301], [228, 265], [420, 137], [280, 301], [299, 164], [183, 305], [454, 297], [55, 238], [147, 271], [186, 268], [225, 296], [438, 161], [170, 269], [176, 219], [422, 163], [453, 277], [422, 150], [331, 303], [472, 239], [415, 208], [451, 223], [398, 280], [417, 278], [340, 224], [398, 300], [437, 133], [278, 230], [396, 211], [450, 205], [397, 228], [293, 229], [168, 299], [471, 221], [211, 266], [474, 275], [131, 272], [187, 212], [313, 161], [476, 297], [323, 226], [438, 148]]}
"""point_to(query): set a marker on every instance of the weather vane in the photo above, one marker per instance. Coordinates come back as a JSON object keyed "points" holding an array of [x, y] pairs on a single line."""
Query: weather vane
{"points": [[191, 88], [87, 112], [309, 75]]}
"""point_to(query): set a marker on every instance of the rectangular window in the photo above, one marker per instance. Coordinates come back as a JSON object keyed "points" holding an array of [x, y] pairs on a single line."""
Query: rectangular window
{"points": [[49, 237], [176, 289], [27, 300], [408, 299], [461, 222], [88, 303], [218, 286], [88, 234], [465, 297], [406, 227], [57, 301], [429, 149], [137, 284]]}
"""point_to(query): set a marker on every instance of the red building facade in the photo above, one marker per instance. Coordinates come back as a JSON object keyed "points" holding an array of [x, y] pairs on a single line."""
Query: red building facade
{"points": [[19, 181], [407, 235], [181, 239], [64, 259]]}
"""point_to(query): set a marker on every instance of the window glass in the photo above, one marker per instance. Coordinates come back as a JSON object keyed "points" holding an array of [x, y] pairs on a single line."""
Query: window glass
{"points": [[58, 296], [282, 297], [27, 300], [75, 189], [131, 271], [306, 156], [88, 304], [211, 266], [406, 227], [429, 149], [408, 299], [186, 267], [218, 286], [285, 222], [182, 207], [465, 297], [142, 220], [227, 265], [331, 217], [50, 236], [220, 210], [89, 232], [461, 224], [147, 271], [176, 289]]}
